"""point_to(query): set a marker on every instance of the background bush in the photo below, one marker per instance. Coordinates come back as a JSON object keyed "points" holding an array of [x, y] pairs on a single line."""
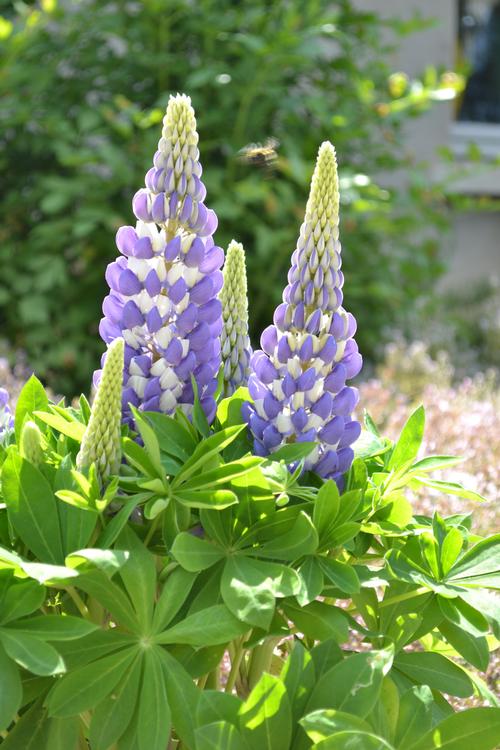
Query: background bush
{"points": [[84, 85]]}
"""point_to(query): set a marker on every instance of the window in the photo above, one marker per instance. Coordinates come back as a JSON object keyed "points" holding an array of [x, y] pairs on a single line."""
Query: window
{"points": [[479, 48]]}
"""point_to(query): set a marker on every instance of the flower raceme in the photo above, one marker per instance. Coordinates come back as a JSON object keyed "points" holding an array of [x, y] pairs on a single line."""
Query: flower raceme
{"points": [[101, 440], [298, 378], [164, 286], [235, 342]]}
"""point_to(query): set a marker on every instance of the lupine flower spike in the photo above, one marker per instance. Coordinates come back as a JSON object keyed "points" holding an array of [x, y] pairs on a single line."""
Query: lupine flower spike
{"points": [[164, 287], [298, 379], [101, 440], [6, 418], [235, 342]]}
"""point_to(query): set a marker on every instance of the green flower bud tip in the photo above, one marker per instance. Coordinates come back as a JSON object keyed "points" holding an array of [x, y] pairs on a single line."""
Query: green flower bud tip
{"points": [[235, 343], [101, 440], [31, 444]]}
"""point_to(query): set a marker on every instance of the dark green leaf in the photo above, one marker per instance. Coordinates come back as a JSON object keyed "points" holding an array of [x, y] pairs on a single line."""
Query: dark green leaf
{"points": [[477, 728], [154, 720], [436, 671], [32, 508], [318, 620], [10, 690], [31, 653]]}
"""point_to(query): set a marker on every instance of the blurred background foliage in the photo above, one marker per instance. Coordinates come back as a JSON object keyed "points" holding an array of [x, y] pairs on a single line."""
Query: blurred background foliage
{"points": [[84, 84]]}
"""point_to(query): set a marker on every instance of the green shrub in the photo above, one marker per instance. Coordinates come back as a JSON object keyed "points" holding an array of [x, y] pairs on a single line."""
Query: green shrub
{"points": [[82, 84]]}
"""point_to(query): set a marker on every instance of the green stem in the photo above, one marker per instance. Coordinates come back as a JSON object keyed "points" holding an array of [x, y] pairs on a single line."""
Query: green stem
{"points": [[80, 604], [235, 666], [261, 661], [152, 529], [403, 597]]}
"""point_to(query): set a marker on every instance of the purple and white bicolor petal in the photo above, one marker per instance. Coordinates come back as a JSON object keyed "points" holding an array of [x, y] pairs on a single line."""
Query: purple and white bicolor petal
{"points": [[298, 379], [164, 285]]}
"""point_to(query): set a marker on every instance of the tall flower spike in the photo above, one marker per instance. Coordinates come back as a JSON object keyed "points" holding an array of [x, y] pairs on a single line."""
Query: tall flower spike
{"points": [[235, 343], [298, 378], [101, 440], [164, 286]]}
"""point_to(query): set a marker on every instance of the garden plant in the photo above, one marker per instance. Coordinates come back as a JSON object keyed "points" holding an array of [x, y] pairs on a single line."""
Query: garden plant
{"points": [[217, 555]]}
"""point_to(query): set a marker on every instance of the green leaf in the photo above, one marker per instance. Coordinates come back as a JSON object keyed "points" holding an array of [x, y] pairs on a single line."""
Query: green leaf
{"points": [[150, 441], [32, 508], [433, 463], [138, 457], [311, 580], [216, 706], [54, 627], [69, 427], [464, 616], [175, 591], [112, 598], [154, 720], [436, 671], [229, 409], [63, 734], [480, 564], [195, 554], [477, 728], [342, 575], [20, 599], [406, 448], [354, 740], [31, 653], [106, 560], [318, 620], [139, 576], [11, 690], [173, 437], [31, 399], [292, 452], [207, 450], [369, 445], [319, 725], [208, 627], [84, 688], [249, 588], [205, 498], [415, 715], [224, 473], [326, 508], [301, 539], [473, 649], [183, 697], [448, 488], [450, 549], [266, 717], [353, 685], [219, 735]]}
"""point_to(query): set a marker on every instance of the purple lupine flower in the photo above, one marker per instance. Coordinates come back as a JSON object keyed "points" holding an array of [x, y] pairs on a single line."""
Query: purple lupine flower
{"points": [[298, 379], [6, 418], [164, 286]]}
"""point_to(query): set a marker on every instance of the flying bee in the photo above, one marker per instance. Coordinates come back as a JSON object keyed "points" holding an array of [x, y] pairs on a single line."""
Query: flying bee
{"points": [[261, 155]]}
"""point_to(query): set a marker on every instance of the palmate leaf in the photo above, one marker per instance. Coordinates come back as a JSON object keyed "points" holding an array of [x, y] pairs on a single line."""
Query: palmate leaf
{"points": [[321, 724], [409, 442], [208, 627], [219, 735], [153, 719], [20, 599], [31, 653], [85, 687]]}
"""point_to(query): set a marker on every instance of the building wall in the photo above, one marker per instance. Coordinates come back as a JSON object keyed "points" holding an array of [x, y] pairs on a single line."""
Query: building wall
{"points": [[472, 248]]}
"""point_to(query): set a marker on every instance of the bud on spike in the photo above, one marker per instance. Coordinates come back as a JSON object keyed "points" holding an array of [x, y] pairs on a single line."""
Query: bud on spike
{"points": [[31, 443], [235, 343], [101, 441]]}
